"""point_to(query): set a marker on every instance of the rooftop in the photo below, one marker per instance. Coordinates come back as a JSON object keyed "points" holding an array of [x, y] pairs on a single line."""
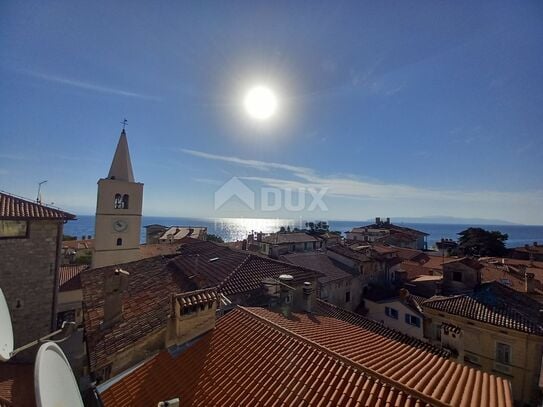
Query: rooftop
{"points": [[258, 357], [289, 237], [146, 304], [200, 264], [69, 277], [15, 208], [332, 269], [16, 385], [494, 304]]}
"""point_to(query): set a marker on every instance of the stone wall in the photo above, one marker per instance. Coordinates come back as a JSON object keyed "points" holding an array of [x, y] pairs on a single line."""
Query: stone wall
{"points": [[28, 270]]}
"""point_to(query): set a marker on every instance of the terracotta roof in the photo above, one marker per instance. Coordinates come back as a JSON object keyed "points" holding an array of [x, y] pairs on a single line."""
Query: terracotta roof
{"points": [[78, 244], [257, 357], [289, 237], [327, 309], [348, 252], [233, 271], [441, 379], [146, 304], [200, 264], [468, 261], [158, 249], [12, 207], [494, 304], [17, 385], [330, 268], [69, 277]]}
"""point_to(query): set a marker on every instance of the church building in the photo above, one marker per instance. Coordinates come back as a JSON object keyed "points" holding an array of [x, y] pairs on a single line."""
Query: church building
{"points": [[118, 212]]}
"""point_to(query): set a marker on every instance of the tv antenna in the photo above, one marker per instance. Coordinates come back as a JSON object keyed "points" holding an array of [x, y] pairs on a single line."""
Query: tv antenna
{"points": [[54, 381], [38, 198]]}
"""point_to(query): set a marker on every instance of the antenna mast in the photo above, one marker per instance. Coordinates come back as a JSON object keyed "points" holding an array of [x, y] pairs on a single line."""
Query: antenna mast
{"points": [[38, 198]]}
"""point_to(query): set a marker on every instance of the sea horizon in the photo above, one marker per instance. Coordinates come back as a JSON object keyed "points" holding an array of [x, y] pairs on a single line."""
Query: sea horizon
{"points": [[232, 229]]}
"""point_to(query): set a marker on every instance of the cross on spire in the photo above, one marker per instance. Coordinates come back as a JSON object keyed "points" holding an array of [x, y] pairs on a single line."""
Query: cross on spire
{"points": [[124, 123]]}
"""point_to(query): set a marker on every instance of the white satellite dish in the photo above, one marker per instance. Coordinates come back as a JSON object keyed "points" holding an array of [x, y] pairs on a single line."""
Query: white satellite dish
{"points": [[6, 330], [54, 381]]}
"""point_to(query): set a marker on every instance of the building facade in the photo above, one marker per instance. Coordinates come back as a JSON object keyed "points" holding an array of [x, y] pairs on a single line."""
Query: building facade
{"points": [[30, 246]]}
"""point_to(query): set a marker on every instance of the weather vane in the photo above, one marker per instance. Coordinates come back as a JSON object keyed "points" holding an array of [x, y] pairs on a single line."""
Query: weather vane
{"points": [[124, 123]]}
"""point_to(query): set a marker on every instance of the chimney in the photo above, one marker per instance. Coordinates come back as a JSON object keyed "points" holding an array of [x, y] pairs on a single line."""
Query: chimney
{"points": [[115, 283], [388, 221], [244, 244], [404, 294], [535, 244], [307, 291], [89, 237], [192, 314], [377, 221], [529, 282], [285, 294], [259, 237]]}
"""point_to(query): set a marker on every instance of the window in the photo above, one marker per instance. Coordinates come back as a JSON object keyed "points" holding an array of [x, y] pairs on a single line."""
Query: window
{"points": [[13, 228], [391, 312], [503, 353], [412, 320], [125, 201], [348, 296], [119, 242], [437, 331], [457, 276], [118, 203], [121, 202]]}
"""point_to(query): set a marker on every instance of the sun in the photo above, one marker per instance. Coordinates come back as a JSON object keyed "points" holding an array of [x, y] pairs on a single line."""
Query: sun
{"points": [[260, 102]]}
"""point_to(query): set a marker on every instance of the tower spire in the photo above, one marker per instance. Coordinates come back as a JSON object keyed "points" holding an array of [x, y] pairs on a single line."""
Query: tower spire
{"points": [[121, 166]]}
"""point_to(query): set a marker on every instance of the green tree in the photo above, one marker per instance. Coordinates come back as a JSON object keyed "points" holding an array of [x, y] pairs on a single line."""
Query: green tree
{"points": [[480, 242], [214, 238]]}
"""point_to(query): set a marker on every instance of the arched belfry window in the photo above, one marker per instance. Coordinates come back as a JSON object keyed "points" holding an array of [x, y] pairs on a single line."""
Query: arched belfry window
{"points": [[125, 201], [118, 204], [119, 242]]}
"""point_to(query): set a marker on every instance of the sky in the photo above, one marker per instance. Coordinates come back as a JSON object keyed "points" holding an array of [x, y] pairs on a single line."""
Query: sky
{"points": [[403, 109]]}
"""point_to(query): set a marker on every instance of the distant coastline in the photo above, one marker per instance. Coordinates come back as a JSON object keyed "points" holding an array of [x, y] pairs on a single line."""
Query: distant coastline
{"points": [[237, 228]]}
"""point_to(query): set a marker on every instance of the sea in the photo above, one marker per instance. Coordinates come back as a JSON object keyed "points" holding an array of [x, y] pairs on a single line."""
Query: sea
{"points": [[232, 229]]}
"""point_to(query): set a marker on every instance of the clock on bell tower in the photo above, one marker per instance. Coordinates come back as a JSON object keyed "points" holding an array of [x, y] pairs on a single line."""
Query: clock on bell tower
{"points": [[118, 212]]}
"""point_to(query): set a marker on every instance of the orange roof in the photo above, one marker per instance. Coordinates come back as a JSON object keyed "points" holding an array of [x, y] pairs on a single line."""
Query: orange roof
{"points": [[17, 385], [441, 379], [158, 249], [257, 357], [69, 277], [12, 207]]}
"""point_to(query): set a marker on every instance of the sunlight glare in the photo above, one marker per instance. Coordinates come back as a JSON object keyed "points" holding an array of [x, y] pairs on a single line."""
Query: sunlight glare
{"points": [[260, 102]]}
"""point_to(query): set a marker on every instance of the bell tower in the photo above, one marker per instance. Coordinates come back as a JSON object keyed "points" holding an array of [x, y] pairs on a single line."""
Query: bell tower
{"points": [[118, 212]]}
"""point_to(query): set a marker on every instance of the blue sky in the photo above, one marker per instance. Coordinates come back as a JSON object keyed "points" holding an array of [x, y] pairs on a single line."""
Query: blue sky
{"points": [[393, 108]]}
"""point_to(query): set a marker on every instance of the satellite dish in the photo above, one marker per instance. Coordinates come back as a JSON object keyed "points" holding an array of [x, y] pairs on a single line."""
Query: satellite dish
{"points": [[54, 381], [6, 330]]}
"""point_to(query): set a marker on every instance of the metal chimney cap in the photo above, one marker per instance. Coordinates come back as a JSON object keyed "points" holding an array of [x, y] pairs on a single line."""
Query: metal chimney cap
{"points": [[307, 284], [286, 277]]}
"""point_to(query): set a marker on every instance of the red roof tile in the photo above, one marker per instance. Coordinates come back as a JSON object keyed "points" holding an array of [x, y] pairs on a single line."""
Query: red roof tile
{"points": [[257, 357], [146, 304], [17, 385], [12, 207], [69, 277], [494, 304], [232, 271]]}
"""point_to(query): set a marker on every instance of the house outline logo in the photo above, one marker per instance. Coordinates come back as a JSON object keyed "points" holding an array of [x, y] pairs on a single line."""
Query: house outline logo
{"points": [[234, 188]]}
